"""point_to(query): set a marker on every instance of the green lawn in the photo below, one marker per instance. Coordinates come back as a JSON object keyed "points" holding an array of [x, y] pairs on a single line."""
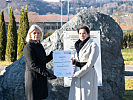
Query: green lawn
{"points": [[128, 56], [129, 84], [128, 60], [5, 63], [128, 95]]}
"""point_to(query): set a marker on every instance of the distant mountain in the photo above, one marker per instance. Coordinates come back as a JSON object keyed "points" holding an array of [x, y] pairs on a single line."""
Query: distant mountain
{"points": [[38, 6], [42, 7]]}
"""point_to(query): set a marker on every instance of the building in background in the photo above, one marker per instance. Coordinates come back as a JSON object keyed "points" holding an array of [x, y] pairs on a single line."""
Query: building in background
{"points": [[49, 23]]}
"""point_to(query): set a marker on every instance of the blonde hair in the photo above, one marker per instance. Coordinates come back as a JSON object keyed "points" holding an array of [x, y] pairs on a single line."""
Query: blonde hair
{"points": [[32, 28]]}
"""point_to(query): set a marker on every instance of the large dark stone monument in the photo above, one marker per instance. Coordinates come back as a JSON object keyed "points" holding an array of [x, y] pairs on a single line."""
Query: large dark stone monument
{"points": [[12, 81]]}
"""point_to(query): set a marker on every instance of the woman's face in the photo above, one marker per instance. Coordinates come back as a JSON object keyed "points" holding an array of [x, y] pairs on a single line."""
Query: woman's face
{"points": [[83, 34], [36, 35]]}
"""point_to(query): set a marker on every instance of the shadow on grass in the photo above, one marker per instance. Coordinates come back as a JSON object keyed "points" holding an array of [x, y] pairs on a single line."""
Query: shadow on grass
{"points": [[128, 95]]}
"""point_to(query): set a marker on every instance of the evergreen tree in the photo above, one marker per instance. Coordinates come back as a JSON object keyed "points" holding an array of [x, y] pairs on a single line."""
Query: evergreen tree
{"points": [[2, 36], [21, 41], [22, 32], [26, 22], [11, 48]]}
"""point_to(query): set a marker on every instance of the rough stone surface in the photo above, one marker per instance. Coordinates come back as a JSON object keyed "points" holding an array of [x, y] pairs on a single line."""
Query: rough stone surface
{"points": [[12, 81]]}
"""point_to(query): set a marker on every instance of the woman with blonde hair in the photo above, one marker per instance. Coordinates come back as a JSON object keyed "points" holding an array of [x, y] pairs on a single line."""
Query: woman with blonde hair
{"points": [[36, 73]]}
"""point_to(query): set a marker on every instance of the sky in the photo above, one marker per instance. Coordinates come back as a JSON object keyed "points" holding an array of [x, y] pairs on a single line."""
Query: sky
{"points": [[53, 0]]}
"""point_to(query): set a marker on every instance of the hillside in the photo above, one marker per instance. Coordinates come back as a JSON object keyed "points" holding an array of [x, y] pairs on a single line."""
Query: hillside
{"points": [[37, 6], [41, 7]]}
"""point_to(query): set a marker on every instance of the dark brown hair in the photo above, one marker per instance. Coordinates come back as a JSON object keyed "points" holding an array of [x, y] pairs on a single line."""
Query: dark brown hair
{"points": [[84, 27]]}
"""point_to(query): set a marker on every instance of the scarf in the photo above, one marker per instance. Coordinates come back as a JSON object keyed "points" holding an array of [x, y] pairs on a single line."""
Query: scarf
{"points": [[79, 44]]}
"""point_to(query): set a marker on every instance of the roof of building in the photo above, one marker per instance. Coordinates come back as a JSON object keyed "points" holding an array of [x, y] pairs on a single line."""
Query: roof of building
{"points": [[126, 27], [52, 18], [43, 18]]}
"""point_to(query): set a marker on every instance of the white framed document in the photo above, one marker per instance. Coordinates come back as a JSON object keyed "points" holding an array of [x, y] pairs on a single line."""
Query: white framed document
{"points": [[62, 63]]}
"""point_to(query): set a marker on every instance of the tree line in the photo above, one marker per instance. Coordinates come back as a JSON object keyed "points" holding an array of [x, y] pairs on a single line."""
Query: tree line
{"points": [[128, 39], [13, 41]]}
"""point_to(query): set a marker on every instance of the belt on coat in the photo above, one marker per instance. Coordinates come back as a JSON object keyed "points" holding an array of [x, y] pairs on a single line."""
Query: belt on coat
{"points": [[81, 64]]}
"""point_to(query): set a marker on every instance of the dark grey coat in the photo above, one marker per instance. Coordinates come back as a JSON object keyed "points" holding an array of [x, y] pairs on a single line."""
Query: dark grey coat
{"points": [[36, 73]]}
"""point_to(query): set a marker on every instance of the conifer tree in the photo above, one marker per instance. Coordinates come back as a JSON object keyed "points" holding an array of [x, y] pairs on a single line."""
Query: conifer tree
{"points": [[11, 48], [21, 40], [26, 22], [22, 32], [2, 36]]}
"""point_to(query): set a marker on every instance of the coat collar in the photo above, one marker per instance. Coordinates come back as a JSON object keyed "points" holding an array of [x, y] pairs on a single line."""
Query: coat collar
{"points": [[83, 49], [79, 44], [33, 41]]}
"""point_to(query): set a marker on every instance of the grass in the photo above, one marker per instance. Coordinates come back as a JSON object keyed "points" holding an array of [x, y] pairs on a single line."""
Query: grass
{"points": [[128, 56], [128, 95], [5, 63], [128, 84], [128, 60]]}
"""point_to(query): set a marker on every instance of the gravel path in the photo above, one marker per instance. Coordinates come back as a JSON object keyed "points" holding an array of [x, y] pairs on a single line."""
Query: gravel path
{"points": [[1, 68], [129, 68]]}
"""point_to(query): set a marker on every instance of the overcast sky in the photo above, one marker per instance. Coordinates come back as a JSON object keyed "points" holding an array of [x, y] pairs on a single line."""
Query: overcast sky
{"points": [[69, 0], [54, 0]]}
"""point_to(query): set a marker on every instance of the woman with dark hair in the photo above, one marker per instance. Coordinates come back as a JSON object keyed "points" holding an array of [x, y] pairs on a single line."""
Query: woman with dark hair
{"points": [[36, 73], [84, 81]]}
